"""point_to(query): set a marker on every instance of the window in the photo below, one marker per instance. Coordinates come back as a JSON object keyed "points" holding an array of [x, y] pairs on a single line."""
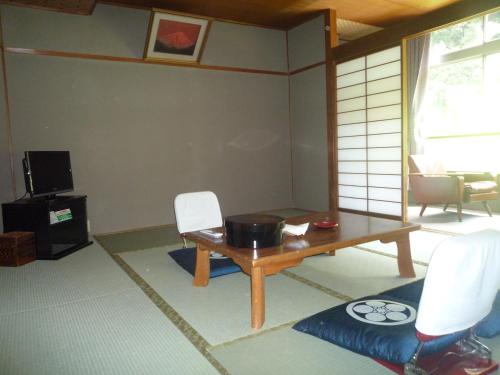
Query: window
{"points": [[460, 119]]}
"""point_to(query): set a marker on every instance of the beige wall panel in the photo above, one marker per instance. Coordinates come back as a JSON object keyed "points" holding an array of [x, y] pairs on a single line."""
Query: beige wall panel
{"points": [[309, 140], [119, 31], [229, 44], [140, 134], [6, 192], [306, 43], [110, 30]]}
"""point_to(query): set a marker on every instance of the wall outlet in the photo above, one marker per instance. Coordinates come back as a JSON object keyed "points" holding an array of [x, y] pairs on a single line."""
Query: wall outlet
{"points": [[88, 226]]}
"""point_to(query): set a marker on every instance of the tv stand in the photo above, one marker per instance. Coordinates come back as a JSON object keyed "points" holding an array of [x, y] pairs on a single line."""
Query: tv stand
{"points": [[55, 236]]}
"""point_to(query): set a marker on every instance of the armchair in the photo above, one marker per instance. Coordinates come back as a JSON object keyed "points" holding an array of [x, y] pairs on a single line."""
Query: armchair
{"points": [[432, 184]]}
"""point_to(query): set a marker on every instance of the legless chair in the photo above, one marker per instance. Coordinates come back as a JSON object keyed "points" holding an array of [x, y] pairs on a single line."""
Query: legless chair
{"points": [[432, 184], [197, 211], [459, 290], [408, 328]]}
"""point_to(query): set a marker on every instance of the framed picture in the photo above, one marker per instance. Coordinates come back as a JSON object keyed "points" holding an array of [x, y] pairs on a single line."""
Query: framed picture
{"points": [[176, 37]]}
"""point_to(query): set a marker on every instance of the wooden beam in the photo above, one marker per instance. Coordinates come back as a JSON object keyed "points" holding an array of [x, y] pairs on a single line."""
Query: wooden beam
{"points": [[7, 117], [331, 40], [78, 55], [81, 7], [393, 35]]}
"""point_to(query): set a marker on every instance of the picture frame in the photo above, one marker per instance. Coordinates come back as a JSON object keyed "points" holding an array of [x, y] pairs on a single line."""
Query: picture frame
{"points": [[176, 37]]}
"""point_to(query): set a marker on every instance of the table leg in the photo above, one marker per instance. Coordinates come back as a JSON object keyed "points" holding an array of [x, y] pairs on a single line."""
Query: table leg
{"points": [[258, 299], [405, 263], [202, 271]]}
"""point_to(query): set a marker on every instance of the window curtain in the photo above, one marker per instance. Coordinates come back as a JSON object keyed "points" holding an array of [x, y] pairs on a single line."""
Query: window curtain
{"points": [[418, 64]]}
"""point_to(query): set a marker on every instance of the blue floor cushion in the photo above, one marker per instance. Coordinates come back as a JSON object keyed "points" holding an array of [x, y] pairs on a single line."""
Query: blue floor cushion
{"points": [[186, 258], [408, 292], [490, 326], [381, 327]]}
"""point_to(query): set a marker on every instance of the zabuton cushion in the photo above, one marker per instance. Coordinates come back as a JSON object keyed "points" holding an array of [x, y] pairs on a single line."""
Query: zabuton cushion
{"points": [[490, 326], [381, 327], [408, 292], [186, 258]]}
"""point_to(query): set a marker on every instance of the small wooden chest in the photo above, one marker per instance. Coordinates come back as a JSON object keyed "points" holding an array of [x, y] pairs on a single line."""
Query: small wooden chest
{"points": [[17, 248]]}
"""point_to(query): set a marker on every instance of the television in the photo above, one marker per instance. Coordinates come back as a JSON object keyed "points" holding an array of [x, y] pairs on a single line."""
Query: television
{"points": [[47, 173]]}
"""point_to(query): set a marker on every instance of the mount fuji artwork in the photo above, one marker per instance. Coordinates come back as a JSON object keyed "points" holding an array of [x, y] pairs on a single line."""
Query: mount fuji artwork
{"points": [[176, 37]]}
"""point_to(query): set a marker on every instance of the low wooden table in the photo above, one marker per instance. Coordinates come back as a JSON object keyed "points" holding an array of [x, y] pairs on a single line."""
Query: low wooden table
{"points": [[353, 230]]}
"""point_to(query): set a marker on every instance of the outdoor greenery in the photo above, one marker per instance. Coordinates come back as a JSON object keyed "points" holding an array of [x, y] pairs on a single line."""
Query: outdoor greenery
{"points": [[492, 29], [463, 35], [462, 94]]}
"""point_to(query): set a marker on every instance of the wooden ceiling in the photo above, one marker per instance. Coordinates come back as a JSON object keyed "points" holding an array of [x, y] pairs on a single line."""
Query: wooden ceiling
{"points": [[287, 13], [282, 14]]}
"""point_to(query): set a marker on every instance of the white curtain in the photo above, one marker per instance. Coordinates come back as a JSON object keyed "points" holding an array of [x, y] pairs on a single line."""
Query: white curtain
{"points": [[418, 63]]}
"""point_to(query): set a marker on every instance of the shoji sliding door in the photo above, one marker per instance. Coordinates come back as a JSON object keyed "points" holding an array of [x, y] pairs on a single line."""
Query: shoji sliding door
{"points": [[369, 133]]}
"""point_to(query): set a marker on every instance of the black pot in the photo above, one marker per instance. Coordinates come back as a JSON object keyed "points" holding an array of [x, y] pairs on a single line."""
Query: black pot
{"points": [[254, 231]]}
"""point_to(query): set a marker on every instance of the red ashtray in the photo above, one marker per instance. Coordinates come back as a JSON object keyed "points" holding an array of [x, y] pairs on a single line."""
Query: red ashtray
{"points": [[326, 224]]}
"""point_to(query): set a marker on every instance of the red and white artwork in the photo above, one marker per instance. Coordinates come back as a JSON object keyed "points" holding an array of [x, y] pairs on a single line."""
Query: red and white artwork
{"points": [[176, 37]]}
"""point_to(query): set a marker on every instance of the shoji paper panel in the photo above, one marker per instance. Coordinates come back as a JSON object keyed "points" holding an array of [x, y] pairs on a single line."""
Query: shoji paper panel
{"points": [[353, 203], [369, 133], [349, 130], [352, 179], [351, 66], [351, 92], [352, 154]]}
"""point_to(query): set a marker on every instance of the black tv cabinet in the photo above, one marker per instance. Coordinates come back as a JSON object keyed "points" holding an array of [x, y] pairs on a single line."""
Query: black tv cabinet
{"points": [[53, 241]]}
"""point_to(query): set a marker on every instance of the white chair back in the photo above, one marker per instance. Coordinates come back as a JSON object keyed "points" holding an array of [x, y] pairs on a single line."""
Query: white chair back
{"points": [[197, 211], [461, 283]]}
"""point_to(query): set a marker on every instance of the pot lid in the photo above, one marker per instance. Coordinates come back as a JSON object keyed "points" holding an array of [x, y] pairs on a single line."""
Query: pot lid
{"points": [[254, 219]]}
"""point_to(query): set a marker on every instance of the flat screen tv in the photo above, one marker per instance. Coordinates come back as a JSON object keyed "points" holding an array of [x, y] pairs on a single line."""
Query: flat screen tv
{"points": [[47, 173]]}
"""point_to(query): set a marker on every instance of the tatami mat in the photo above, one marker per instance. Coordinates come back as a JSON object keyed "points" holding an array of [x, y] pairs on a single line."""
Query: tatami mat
{"points": [[140, 239], [422, 242], [286, 351], [83, 315], [87, 273], [220, 312], [435, 218], [163, 235], [494, 345], [118, 334], [355, 272]]}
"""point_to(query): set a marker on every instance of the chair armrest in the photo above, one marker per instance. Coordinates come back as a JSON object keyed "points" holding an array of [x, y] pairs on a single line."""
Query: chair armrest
{"points": [[437, 188], [473, 176], [429, 174]]}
